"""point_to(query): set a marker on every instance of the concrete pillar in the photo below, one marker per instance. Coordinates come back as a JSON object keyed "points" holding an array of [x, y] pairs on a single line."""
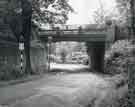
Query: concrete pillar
{"points": [[96, 52]]}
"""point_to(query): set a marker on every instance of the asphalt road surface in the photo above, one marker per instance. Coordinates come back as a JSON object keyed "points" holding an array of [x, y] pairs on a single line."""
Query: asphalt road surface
{"points": [[57, 90]]}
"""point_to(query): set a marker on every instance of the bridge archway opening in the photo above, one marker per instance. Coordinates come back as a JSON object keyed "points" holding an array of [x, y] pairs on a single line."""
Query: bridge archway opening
{"points": [[69, 53]]}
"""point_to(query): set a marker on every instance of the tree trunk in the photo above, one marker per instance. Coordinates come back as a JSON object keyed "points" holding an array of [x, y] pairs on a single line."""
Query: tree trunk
{"points": [[132, 3], [26, 31], [96, 51]]}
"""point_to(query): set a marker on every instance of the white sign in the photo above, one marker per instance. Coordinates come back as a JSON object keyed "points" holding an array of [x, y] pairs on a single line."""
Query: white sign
{"points": [[21, 46]]}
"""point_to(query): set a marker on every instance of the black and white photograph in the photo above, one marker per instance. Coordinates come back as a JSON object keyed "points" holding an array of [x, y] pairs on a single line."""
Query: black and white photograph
{"points": [[67, 53]]}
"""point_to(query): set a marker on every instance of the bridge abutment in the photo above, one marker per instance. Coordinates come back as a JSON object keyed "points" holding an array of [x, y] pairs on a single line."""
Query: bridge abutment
{"points": [[96, 52]]}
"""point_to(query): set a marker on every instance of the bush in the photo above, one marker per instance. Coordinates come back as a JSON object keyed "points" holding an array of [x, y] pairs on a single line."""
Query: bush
{"points": [[119, 55], [121, 47]]}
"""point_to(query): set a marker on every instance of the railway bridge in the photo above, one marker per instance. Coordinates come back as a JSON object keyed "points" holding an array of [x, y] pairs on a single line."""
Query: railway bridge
{"points": [[95, 37]]}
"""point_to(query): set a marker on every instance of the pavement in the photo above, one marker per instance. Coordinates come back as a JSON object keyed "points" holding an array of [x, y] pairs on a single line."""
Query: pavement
{"points": [[56, 90]]}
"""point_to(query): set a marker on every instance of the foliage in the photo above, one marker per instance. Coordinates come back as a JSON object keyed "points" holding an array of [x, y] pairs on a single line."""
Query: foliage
{"points": [[124, 101], [119, 14], [124, 11], [51, 11], [44, 12], [123, 5], [41, 11], [69, 47], [102, 15], [78, 58], [65, 50], [119, 55]]}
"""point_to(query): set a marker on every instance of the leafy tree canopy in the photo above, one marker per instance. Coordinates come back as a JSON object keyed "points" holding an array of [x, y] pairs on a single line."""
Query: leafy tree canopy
{"points": [[124, 11], [102, 15], [51, 11], [119, 14], [44, 11]]}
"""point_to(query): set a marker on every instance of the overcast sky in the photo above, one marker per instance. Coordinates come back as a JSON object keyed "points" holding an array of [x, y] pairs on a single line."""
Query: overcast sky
{"points": [[85, 8]]}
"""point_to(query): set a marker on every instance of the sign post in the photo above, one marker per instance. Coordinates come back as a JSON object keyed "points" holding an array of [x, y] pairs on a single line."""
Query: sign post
{"points": [[21, 48]]}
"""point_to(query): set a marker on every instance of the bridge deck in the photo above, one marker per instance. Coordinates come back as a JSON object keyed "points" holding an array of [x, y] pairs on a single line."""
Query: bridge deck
{"points": [[92, 34]]}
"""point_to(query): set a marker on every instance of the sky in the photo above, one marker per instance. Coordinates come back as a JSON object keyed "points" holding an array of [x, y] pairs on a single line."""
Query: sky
{"points": [[84, 10]]}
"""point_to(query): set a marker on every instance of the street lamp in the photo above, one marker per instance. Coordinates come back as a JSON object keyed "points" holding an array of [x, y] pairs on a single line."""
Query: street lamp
{"points": [[49, 51], [21, 48]]}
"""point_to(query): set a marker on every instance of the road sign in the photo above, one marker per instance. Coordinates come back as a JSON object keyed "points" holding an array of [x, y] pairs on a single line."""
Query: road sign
{"points": [[21, 46]]}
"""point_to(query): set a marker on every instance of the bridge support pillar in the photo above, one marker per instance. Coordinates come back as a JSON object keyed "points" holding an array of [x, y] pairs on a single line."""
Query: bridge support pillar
{"points": [[96, 52]]}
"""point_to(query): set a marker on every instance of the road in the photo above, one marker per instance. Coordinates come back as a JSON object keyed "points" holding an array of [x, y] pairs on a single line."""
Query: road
{"points": [[56, 90]]}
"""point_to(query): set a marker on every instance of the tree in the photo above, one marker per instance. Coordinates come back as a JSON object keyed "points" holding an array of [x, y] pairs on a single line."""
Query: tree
{"points": [[119, 14], [26, 30], [132, 12], [101, 15], [51, 11], [124, 11], [24, 11]]}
